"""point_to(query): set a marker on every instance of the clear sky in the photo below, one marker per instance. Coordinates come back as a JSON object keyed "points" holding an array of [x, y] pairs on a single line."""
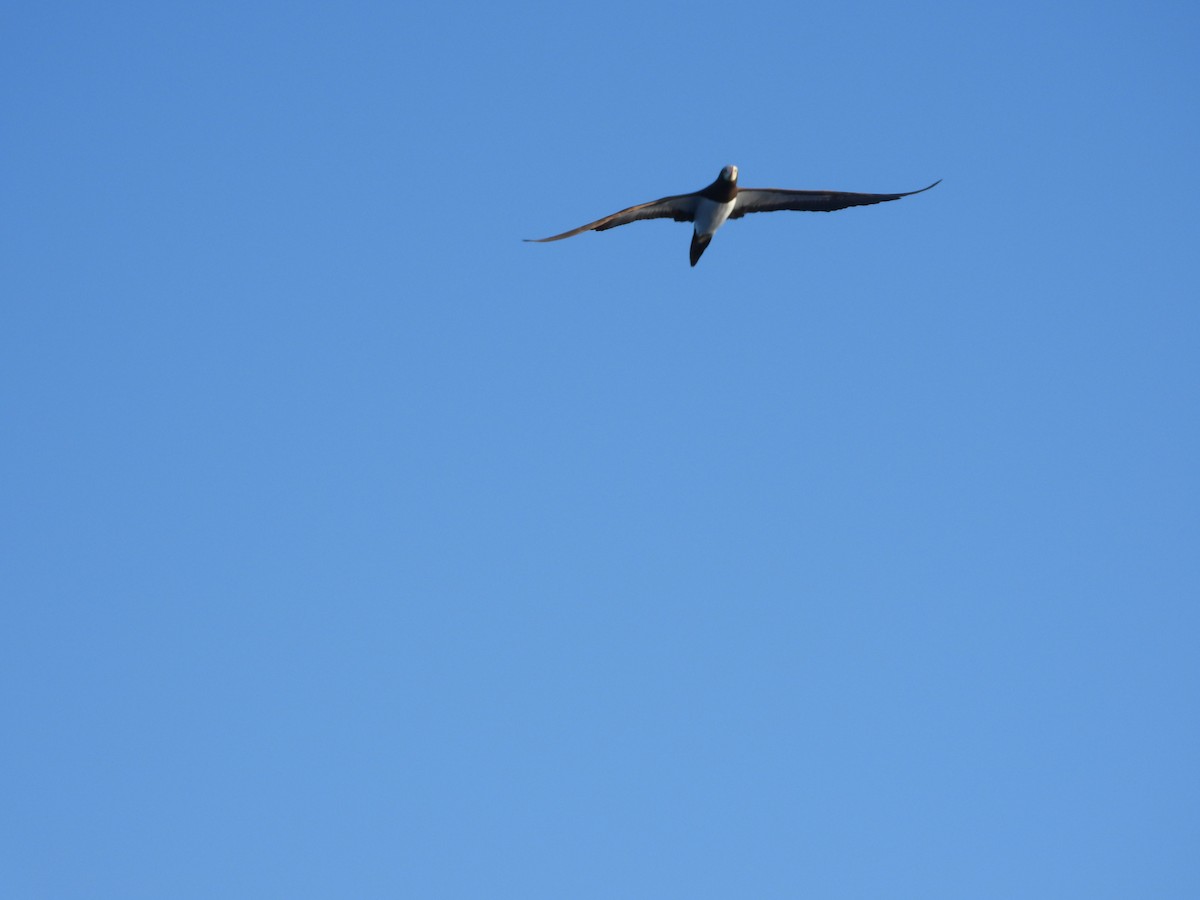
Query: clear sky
{"points": [[351, 547]]}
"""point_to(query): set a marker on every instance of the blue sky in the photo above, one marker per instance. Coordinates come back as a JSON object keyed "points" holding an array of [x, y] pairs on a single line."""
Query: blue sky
{"points": [[353, 547]]}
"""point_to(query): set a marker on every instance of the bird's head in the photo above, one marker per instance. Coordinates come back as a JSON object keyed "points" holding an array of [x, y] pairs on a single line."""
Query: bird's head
{"points": [[729, 173]]}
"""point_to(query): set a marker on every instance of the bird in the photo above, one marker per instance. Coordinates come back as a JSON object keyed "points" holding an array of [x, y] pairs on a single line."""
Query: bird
{"points": [[722, 200]]}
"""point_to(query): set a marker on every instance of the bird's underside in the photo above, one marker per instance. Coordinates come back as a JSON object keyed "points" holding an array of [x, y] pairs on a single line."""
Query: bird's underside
{"points": [[723, 200]]}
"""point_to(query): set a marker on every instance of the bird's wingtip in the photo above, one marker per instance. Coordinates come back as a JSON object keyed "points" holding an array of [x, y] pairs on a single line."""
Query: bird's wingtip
{"points": [[921, 190]]}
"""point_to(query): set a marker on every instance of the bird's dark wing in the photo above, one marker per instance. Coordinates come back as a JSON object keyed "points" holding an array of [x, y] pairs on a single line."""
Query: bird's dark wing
{"points": [[681, 208], [752, 200]]}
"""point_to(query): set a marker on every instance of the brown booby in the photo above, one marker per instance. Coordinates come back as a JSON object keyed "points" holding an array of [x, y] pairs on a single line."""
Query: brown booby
{"points": [[722, 200]]}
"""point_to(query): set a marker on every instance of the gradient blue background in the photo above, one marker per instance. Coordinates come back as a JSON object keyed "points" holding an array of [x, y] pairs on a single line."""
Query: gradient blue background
{"points": [[353, 548]]}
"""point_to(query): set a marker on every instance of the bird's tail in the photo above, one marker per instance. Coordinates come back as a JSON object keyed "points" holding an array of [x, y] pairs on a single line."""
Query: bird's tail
{"points": [[699, 242]]}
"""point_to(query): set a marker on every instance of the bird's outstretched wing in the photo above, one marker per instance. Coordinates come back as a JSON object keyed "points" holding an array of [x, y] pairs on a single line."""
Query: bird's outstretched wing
{"points": [[752, 200], [681, 208]]}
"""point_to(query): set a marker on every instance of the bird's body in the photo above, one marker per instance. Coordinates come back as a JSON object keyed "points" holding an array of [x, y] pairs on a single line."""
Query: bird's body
{"points": [[711, 215], [721, 201]]}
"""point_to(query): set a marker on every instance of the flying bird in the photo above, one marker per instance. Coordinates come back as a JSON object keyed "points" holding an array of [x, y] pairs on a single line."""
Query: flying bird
{"points": [[722, 200]]}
